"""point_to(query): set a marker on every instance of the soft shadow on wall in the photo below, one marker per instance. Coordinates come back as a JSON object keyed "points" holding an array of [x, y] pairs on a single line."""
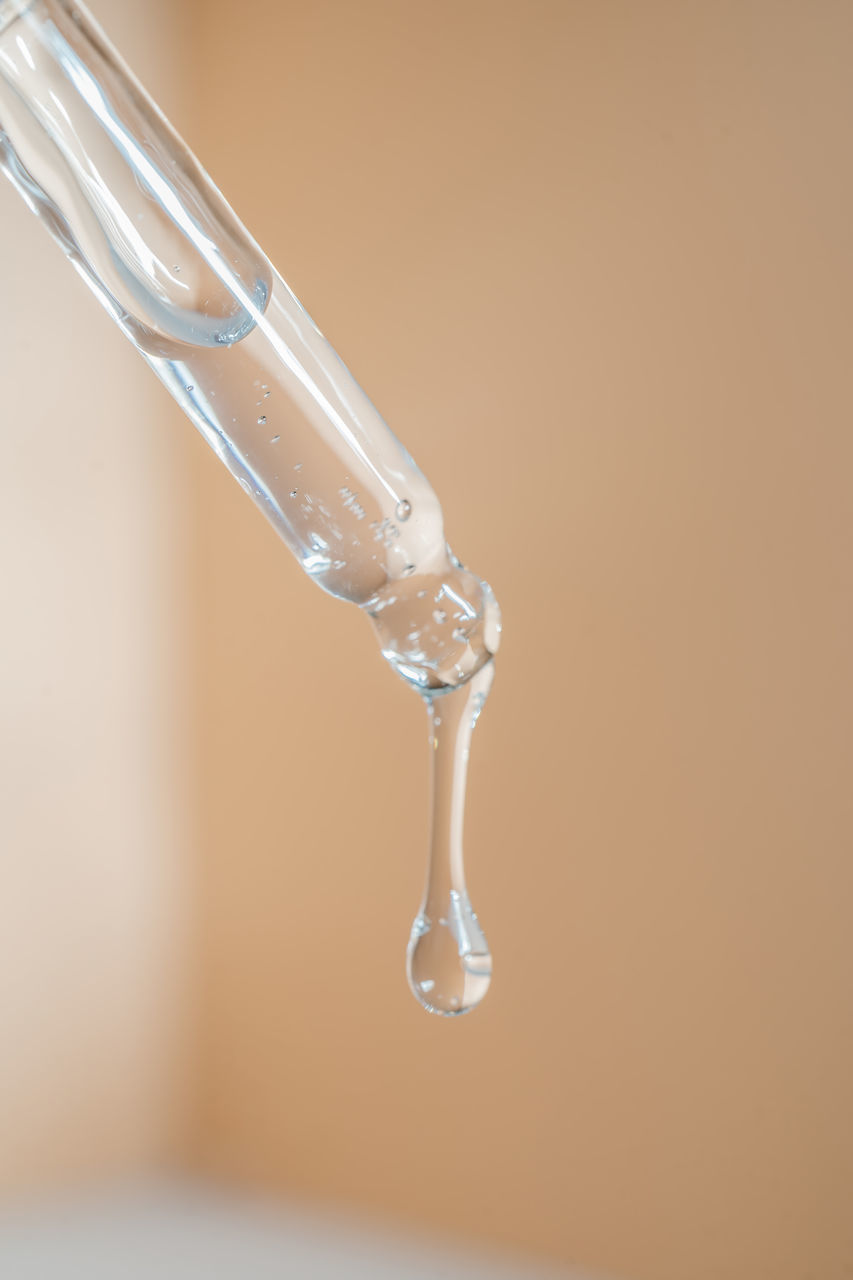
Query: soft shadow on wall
{"points": [[590, 262], [94, 828]]}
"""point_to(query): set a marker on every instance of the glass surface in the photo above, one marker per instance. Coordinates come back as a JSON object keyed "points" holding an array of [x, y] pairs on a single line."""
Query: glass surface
{"points": [[153, 238]]}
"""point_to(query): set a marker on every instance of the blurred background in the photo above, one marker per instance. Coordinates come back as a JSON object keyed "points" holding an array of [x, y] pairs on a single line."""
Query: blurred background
{"points": [[593, 264]]}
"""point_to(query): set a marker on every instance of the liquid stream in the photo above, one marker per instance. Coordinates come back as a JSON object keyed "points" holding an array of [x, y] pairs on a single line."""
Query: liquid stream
{"points": [[449, 964]]}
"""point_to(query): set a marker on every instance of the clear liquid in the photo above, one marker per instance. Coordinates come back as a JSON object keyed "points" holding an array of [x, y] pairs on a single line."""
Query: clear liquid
{"points": [[449, 964], [438, 626], [167, 258]]}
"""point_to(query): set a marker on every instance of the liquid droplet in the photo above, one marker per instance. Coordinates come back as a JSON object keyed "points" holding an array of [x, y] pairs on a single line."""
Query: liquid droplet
{"points": [[190, 387], [275, 440], [262, 420], [448, 963], [403, 509], [293, 492]]}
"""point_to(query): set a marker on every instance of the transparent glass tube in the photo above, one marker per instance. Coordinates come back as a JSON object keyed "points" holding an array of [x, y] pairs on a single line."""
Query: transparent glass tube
{"points": [[153, 238]]}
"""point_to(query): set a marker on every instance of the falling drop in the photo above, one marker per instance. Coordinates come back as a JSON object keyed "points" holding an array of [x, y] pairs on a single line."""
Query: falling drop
{"points": [[403, 509], [449, 965]]}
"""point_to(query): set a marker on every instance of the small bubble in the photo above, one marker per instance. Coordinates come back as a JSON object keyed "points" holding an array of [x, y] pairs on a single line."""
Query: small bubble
{"points": [[421, 595], [459, 635], [275, 440], [262, 420], [408, 571], [190, 387], [403, 509], [293, 492], [297, 466], [177, 268], [266, 395], [439, 615]]}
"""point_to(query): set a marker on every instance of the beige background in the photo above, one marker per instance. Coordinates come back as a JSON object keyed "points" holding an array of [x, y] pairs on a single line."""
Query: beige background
{"points": [[593, 263], [94, 830]]}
